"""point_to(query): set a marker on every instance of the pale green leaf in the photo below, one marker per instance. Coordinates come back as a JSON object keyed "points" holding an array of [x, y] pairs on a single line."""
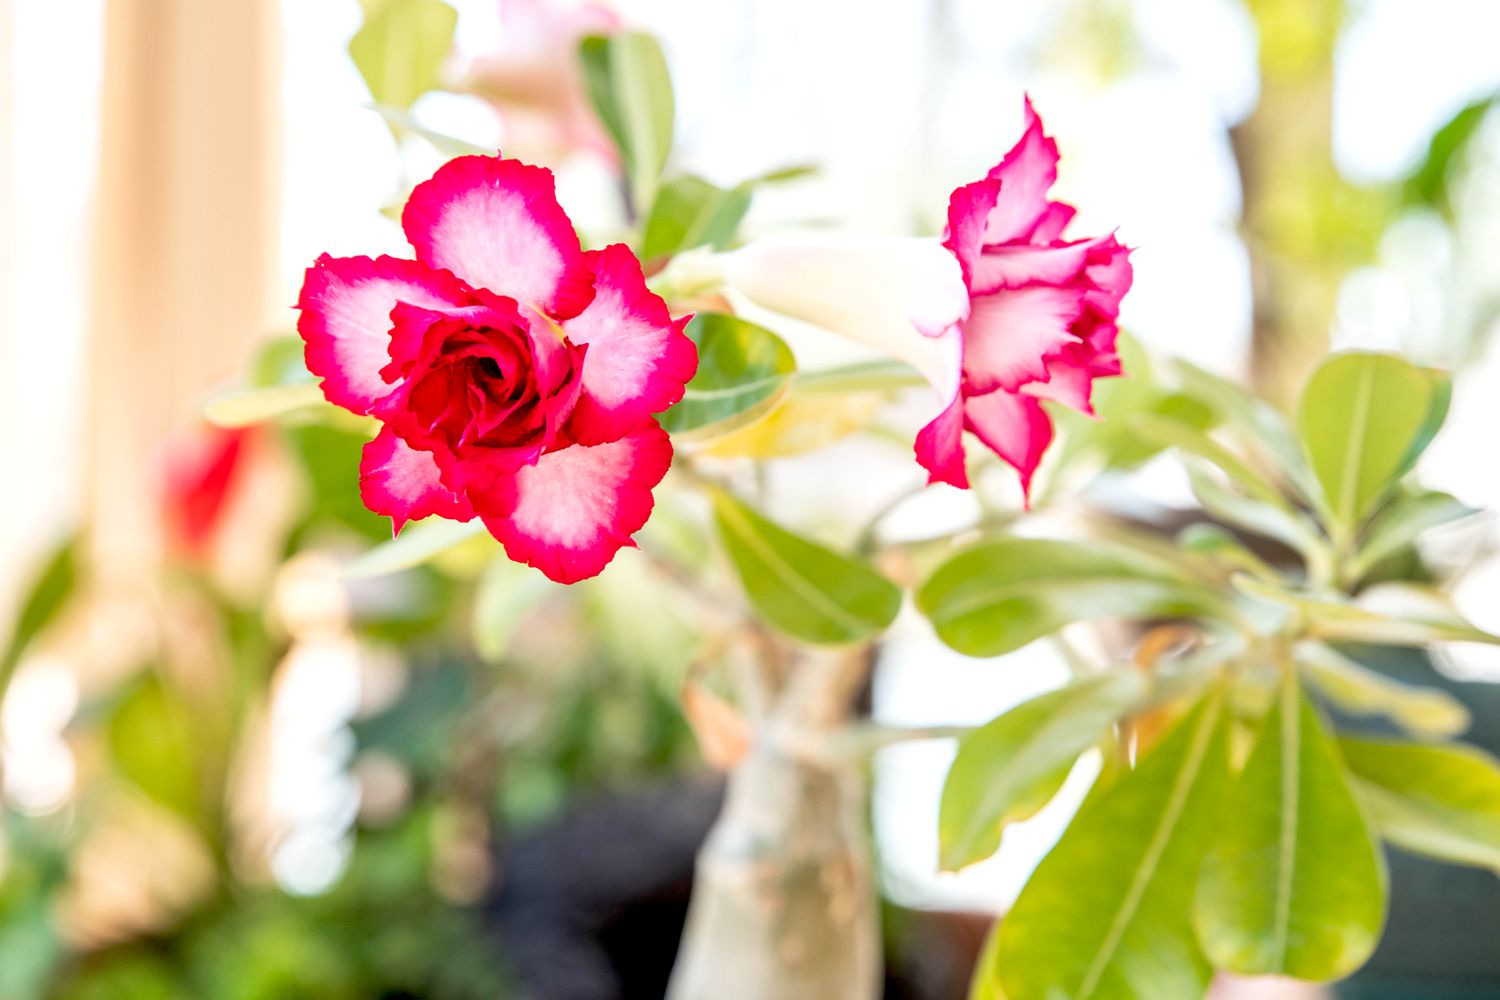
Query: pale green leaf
{"points": [[743, 372], [1290, 528], [401, 47], [417, 544], [690, 212], [807, 591], [1439, 801], [1364, 419], [1398, 525], [1172, 433], [1430, 713], [1294, 883], [999, 595], [1106, 915], [1008, 769], [627, 80], [246, 407]]}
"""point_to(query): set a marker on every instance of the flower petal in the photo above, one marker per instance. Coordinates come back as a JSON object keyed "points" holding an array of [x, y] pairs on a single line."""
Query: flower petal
{"points": [[1052, 223], [1015, 427], [968, 208], [402, 483], [1026, 175], [346, 305], [940, 447], [1017, 264], [497, 224], [569, 514], [1009, 334], [639, 360]]}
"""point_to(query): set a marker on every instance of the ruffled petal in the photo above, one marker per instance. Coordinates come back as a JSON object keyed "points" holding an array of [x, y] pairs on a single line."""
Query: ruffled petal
{"points": [[346, 305], [639, 359], [497, 224], [1068, 383], [968, 208], [569, 514], [1009, 334], [1015, 427], [1017, 264], [1026, 175], [402, 483], [940, 447], [1052, 223]]}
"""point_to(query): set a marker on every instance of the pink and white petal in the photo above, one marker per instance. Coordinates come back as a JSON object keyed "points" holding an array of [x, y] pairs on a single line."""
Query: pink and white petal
{"points": [[639, 359], [1017, 264], [1069, 383], [1013, 426], [402, 483], [1110, 271], [569, 514], [968, 208], [345, 321], [497, 224], [1026, 175], [940, 447], [1052, 223], [1009, 334]]}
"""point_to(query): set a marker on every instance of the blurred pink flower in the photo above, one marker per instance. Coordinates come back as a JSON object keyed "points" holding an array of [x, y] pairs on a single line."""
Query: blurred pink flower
{"points": [[1040, 322], [535, 79], [201, 469]]}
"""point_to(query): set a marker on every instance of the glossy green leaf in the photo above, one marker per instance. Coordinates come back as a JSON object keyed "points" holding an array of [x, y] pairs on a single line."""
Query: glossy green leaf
{"points": [[1440, 801], [1430, 713], [1399, 524], [1106, 915], [743, 372], [807, 591], [401, 48], [690, 212], [999, 595], [417, 544], [1008, 769], [247, 407], [1364, 419], [1429, 184], [1294, 883], [631, 89]]}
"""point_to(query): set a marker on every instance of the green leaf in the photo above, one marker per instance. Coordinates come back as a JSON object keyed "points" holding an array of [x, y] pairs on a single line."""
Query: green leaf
{"points": [[506, 592], [1430, 713], [49, 592], [631, 89], [1397, 526], [690, 212], [247, 407], [807, 591], [1294, 883], [1428, 184], [743, 372], [419, 543], [1220, 545], [1439, 801], [402, 121], [1394, 614], [1008, 769], [401, 47], [1170, 433], [998, 596], [1106, 914], [1364, 420], [1271, 521], [151, 741]]}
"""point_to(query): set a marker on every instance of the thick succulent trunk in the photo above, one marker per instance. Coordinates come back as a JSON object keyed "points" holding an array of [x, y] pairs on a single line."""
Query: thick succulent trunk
{"points": [[784, 901]]}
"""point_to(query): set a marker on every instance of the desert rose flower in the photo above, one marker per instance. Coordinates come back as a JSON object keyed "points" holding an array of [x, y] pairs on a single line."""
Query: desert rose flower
{"points": [[514, 375], [1000, 315]]}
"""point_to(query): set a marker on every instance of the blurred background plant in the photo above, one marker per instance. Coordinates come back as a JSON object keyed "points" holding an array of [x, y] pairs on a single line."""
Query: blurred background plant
{"points": [[249, 752]]}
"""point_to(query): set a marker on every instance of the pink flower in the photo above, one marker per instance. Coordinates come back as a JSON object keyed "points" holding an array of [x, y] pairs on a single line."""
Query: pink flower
{"points": [[515, 376], [1041, 316], [202, 468], [535, 79]]}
